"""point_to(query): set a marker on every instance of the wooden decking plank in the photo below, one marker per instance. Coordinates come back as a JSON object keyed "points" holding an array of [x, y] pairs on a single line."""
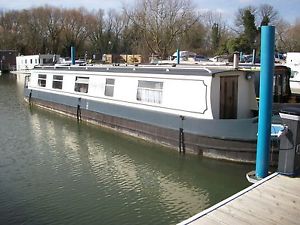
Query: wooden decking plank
{"points": [[287, 200], [273, 190], [289, 185], [249, 214], [280, 210], [286, 184], [231, 217], [274, 200], [263, 208], [207, 220], [258, 210]]}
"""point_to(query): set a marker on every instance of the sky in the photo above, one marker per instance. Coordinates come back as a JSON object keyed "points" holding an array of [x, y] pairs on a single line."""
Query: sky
{"points": [[289, 10]]}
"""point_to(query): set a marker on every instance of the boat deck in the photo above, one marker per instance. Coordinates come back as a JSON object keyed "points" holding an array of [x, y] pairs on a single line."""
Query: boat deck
{"points": [[273, 200], [187, 70]]}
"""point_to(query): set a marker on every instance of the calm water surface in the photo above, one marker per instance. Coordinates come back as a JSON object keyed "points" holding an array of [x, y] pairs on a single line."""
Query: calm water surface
{"points": [[56, 171]]}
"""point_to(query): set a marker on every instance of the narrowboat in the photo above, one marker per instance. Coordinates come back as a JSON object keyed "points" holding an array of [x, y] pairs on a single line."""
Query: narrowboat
{"points": [[206, 111]]}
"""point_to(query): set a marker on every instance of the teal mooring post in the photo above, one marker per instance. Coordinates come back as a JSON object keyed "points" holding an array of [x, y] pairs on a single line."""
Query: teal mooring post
{"points": [[265, 100], [73, 55], [178, 56]]}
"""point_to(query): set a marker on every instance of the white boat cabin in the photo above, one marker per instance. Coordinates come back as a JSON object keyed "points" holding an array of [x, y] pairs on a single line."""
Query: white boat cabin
{"points": [[192, 92]]}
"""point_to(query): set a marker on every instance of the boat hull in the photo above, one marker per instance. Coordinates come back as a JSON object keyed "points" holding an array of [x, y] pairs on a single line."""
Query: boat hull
{"points": [[233, 140]]}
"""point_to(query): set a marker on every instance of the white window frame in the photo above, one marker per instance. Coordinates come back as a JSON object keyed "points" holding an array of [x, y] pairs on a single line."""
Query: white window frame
{"points": [[109, 87], [42, 80], [57, 82], [81, 84], [149, 91]]}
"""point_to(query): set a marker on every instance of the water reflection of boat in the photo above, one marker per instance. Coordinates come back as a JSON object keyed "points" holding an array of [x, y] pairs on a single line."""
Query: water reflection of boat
{"points": [[204, 111]]}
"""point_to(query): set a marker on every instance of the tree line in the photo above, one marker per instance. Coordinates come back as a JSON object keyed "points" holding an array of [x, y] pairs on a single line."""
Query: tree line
{"points": [[149, 27]]}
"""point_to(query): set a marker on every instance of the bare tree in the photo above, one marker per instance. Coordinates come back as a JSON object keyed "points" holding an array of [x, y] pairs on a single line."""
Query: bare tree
{"points": [[293, 39], [37, 32], [210, 19], [149, 27], [115, 26], [96, 30], [105, 31], [267, 15], [239, 18], [195, 39], [162, 22], [282, 36], [9, 29], [75, 30], [54, 25]]}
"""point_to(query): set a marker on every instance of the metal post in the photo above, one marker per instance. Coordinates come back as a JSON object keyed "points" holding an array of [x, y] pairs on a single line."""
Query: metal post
{"points": [[73, 55], [178, 56], [236, 61], [253, 56], [265, 100]]}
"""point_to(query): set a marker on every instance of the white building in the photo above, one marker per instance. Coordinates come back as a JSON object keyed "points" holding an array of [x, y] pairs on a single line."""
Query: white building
{"points": [[27, 62], [293, 62]]}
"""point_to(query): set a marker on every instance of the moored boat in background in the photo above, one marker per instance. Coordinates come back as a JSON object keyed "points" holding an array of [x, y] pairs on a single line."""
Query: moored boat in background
{"points": [[293, 62]]}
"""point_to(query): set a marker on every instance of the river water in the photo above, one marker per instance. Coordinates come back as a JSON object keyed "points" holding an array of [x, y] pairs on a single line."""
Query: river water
{"points": [[54, 170]]}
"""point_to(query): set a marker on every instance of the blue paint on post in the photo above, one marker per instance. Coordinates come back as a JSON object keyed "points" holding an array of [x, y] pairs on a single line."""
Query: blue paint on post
{"points": [[73, 55], [178, 56], [265, 100]]}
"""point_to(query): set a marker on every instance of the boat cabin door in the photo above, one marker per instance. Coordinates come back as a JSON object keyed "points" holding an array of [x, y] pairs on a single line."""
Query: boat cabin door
{"points": [[228, 97]]}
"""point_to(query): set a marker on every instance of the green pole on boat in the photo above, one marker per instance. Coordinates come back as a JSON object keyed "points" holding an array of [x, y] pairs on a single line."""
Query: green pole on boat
{"points": [[265, 100], [73, 55]]}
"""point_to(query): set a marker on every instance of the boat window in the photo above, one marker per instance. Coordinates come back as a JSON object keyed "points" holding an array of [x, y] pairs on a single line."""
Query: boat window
{"points": [[109, 87], [42, 80], [281, 84], [27, 81], [82, 84], [149, 91], [57, 82]]}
